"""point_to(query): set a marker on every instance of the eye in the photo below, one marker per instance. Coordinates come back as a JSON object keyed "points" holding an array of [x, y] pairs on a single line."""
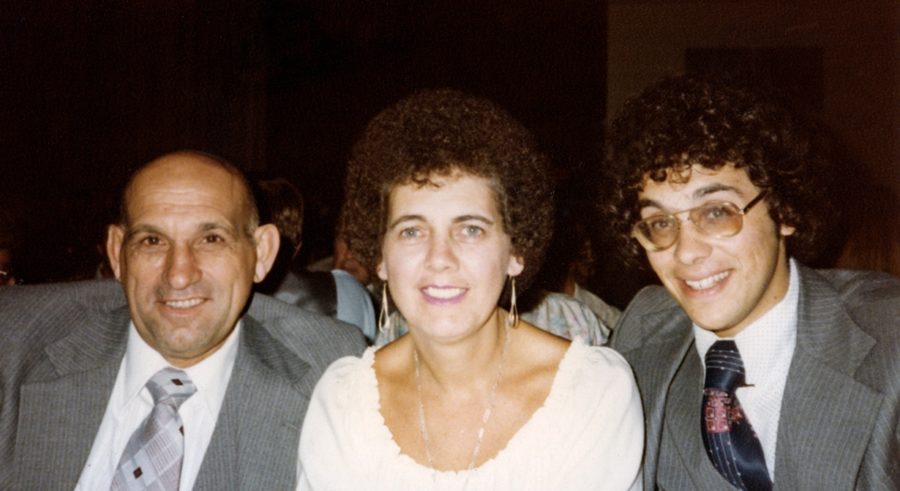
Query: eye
{"points": [[149, 240], [472, 231], [660, 224], [410, 233], [716, 212], [213, 239]]}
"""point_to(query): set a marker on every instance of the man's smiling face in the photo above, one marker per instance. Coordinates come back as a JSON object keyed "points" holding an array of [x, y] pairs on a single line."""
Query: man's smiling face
{"points": [[186, 258], [723, 284]]}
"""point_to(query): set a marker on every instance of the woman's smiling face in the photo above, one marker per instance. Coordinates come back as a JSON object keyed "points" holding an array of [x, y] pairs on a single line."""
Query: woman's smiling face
{"points": [[445, 254]]}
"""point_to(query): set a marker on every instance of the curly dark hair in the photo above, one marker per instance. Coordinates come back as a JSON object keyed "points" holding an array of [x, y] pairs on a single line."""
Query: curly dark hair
{"points": [[689, 120], [436, 133]]}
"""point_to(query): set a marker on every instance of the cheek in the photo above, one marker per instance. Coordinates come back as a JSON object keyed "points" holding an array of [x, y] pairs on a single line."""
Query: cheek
{"points": [[497, 268], [400, 269], [140, 271], [659, 262]]}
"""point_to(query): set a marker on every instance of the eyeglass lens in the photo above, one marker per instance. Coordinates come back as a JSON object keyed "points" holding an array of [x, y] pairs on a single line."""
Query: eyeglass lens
{"points": [[718, 219]]}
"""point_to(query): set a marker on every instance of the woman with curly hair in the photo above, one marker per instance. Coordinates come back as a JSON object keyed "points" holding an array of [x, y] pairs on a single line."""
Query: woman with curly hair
{"points": [[449, 202]]}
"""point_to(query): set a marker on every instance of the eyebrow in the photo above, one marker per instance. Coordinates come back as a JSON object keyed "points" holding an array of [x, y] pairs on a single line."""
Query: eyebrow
{"points": [[405, 218], [715, 188], [698, 193], [477, 218], [207, 226]]}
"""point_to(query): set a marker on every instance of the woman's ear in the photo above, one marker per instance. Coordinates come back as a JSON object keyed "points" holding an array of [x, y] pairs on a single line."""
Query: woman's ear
{"points": [[516, 266], [381, 270]]}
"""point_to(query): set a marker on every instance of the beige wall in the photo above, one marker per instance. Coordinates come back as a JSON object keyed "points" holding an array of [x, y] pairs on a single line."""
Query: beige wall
{"points": [[859, 40]]}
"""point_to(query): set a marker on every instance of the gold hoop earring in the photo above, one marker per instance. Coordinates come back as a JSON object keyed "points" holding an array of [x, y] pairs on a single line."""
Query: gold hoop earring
{"points": [[512, 318], [383, 316]]}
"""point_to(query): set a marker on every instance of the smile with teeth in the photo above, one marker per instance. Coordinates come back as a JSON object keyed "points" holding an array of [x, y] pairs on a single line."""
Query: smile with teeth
{"points": [[184, 304], [443, 293], [707, 282]]}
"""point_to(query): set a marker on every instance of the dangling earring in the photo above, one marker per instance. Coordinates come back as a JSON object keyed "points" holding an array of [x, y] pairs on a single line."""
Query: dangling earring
{"points": [[512, 318], [383, 316]]}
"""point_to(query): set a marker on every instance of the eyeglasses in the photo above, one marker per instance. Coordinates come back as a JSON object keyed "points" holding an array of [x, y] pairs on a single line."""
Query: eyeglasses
{"points": [[717, 219]]}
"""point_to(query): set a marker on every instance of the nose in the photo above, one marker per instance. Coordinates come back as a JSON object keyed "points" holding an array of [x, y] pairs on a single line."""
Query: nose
{"points": [[690, 245], [441, 255], [181, 266]]}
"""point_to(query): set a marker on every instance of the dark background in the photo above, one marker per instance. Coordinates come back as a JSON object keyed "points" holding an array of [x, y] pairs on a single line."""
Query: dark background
{"points": [[93, 88]]}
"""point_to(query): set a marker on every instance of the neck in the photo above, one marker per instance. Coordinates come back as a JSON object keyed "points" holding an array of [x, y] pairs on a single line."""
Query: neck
{"points": [[468, 364]]}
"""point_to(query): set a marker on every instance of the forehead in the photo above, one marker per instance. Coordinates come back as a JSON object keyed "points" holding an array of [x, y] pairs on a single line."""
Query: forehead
{"points": [[455, 194], [185, 185], [697, 184]]}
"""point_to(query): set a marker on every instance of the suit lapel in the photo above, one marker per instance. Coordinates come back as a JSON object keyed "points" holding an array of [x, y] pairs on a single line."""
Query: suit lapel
{"points": [[66, 407], [827, 415], [255, 442], [682, 444], [655, 364]]}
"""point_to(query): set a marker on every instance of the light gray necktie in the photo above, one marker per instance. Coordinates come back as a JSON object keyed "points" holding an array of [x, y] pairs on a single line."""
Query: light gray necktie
{"points": [[152, 458]]}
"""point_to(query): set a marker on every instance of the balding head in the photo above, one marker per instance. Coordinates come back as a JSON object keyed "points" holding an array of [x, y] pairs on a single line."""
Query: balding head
{"points": [[187, 253], [190, 164]]}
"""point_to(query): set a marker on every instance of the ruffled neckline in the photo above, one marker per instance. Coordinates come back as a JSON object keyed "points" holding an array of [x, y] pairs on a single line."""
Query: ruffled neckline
{"points": [[561, 390]]}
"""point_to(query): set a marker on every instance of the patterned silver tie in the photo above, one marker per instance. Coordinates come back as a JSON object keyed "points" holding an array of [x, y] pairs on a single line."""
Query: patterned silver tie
{"points": [[152, 458]]}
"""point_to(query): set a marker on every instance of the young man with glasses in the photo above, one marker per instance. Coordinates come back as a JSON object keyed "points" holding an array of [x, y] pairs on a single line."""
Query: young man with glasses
{"points": [[756, 372]]}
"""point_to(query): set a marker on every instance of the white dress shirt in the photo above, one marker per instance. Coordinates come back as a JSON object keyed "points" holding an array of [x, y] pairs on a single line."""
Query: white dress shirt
{"points": [[766, 347], [131, 402]]}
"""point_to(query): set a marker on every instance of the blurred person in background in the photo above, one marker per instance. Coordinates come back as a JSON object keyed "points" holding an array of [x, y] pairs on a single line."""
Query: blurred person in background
{"points": [[335, 293], [10, 243]]}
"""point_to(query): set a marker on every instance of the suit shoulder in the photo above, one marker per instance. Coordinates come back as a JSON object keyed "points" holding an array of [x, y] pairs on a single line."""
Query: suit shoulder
{"points": [[36, 315], [651, 305], [650, 299], [863, 287], [872, 300], [872, 303], [306, 333]]}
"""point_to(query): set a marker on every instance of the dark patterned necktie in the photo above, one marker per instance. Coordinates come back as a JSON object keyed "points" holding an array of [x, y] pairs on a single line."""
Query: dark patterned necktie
{"points": [[729, 438], [154, 453]]}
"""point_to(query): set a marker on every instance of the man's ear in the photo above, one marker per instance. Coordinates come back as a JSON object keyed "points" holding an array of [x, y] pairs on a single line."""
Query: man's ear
{"points": [[516, 265], [381, 270], [786, 230], [267, 242], [115, 235]]}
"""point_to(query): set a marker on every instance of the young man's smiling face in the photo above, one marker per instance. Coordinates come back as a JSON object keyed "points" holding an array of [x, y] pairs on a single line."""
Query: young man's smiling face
{"points": [[723, 284]]}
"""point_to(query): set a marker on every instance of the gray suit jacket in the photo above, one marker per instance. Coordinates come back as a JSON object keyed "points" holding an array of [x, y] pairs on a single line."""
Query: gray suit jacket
{"points": [[60, 350], [838, 427]]}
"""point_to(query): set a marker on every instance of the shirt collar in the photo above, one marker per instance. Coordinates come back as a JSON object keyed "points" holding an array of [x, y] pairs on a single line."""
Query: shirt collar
{"points": [[210, 376], [766, 341]]}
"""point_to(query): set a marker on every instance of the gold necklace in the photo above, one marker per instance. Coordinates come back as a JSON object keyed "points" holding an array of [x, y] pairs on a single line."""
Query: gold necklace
{"points": [[485, 417]]}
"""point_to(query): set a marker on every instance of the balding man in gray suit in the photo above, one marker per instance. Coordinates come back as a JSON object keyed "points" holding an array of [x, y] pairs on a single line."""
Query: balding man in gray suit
{"points": [[755, 371], [76, 357]]}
